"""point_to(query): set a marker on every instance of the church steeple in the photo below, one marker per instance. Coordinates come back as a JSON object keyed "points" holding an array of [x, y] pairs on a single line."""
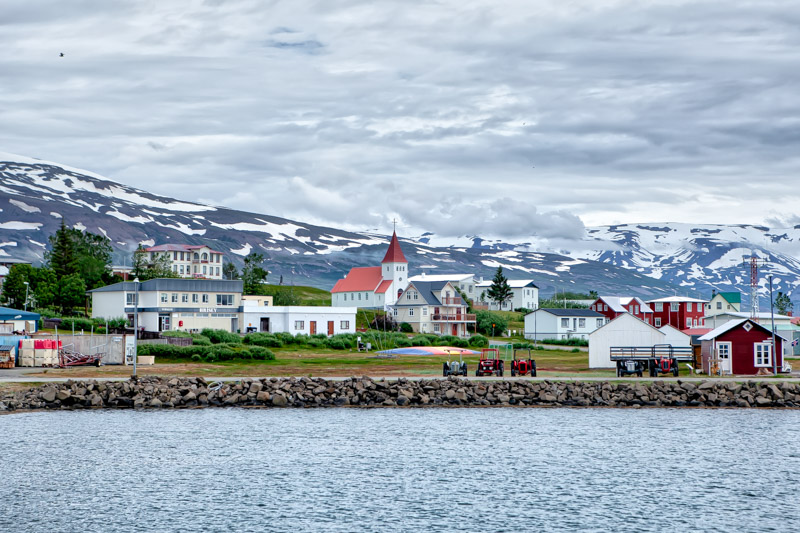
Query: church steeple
{"points": [[394, 254]]}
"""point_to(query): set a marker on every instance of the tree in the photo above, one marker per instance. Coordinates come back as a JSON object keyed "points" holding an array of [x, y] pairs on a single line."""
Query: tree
{"points": [[46, 288], [146, 268], [783, 304], [499, 291], [71, 292], [490, 323], [466, 300], [73, 251], [14, 285], [61, 256], [229, 271], [253, 274]]}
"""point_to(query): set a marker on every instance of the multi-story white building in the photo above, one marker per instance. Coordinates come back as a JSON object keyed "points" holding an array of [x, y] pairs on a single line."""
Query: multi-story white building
{"points": [[433, 307], [547, 323], [309, 320], [189, 261], [525, 294], [464, 282]]}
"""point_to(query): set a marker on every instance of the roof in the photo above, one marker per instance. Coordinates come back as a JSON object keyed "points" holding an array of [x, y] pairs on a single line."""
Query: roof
{"points": [[513, 283], [557, 311], [178, 248], [695, 331], [384, 286], [627, 316], [7, 313], [428, 290], [614, 303], [676, 299], [175, 284], [733, 324], [761, 316], [440, 277], [394, 254], [732, 297], [359, 279]]}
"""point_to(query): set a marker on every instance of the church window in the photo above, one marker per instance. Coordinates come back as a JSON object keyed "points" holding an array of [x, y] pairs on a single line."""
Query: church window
{"points": [[359, 294]]}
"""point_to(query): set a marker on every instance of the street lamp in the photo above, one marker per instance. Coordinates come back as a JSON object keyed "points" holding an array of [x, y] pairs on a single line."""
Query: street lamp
{"points": [[27, 286], [135, 323]]}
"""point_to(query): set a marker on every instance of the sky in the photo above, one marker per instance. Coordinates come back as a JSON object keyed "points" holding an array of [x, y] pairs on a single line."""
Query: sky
{"points": [[515, 119]]}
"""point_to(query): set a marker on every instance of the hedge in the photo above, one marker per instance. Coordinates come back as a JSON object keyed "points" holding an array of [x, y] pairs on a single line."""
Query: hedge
{"points": [[218, 336]]}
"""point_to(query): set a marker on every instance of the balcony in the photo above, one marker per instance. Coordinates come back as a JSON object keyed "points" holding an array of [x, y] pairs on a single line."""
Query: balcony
{"points": [[452, 300], [447, 317]]}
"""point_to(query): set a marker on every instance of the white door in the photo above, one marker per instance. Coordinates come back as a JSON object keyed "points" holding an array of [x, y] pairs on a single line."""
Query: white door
{"points": [[724, 355]]}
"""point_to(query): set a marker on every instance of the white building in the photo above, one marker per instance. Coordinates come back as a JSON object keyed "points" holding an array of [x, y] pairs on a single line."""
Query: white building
{"points": [[464, 282], [172, 304], [433, 307], [189, 261], [374, 287], [547, 323], [625, 330], [724, 302], [675, 337], [525, 294], [309, 320]]}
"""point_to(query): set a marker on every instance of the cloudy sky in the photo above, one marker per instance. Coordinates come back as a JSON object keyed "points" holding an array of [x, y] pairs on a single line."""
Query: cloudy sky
{"points": [[508, 118]]}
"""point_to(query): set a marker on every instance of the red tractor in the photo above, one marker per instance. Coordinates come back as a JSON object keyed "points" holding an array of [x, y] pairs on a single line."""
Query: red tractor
{"points": [[490, 363], [523, 366]]}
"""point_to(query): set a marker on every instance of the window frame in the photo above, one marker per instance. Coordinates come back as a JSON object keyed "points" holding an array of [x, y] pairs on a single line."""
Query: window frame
{"points": [[757, 353]]}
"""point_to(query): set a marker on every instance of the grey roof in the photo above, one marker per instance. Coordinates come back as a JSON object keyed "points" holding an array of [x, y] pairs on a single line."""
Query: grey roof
{"points": [[176, 284], [557, 311], [428, 290]]}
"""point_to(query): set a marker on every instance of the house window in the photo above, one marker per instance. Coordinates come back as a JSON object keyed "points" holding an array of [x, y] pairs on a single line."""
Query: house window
{"points": [[344, 324], [174, 297], [299, 324], [408, 296], [130, 298], [599, 322], [184, 298], [410, 312], [181, 270], [224, 299], [581, 322], [194, 298], [205, 298], [204, 270], [719, 305], [675, 307], [164, 297], [762, 352], [658, 321], [424, 311], [688, 322], [175, 268], [565, 322], [416, 295], [659, 306], [395, 312], [436, 327], [217, 271]]}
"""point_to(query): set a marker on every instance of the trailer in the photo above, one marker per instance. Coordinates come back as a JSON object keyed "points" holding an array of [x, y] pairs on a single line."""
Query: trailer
{"points": [[68, 356], [656, 359]]}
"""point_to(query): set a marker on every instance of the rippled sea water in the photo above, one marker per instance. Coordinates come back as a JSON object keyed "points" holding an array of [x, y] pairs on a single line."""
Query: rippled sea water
{"points": [[510, 469]]}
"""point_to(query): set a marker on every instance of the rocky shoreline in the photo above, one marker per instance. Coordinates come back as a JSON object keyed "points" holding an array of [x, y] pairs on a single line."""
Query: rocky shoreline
{"points": [[165, 393]]}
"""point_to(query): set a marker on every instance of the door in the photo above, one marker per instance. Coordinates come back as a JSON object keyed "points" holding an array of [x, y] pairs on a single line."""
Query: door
{"points": [[264, 324], [455, 330], [312, 327], [163, 322], [724, 355], [330, 327]]}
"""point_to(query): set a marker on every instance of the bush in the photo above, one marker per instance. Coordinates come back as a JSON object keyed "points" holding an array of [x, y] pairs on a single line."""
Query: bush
{"points": [[285, 337], [478, 341], [223, 352], [259, 353], [575, 350], [403, 342], [337, 344], [217, 336], [197, 358], [461, 343], [199, 340], [342, 341], [420, 340], [176, 333], [405, 327], [263, 339], [567, 342], [315, 343], [300, 339], [485, 319]]}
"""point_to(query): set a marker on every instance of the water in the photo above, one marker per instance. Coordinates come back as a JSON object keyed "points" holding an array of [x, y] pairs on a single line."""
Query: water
{"points": [[401, 470]]}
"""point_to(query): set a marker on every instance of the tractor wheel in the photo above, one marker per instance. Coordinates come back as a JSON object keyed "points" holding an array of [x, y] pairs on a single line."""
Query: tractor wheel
{"points": [[513, 373], [675, 371], [476, 373], [444, 370], [639, 373]]}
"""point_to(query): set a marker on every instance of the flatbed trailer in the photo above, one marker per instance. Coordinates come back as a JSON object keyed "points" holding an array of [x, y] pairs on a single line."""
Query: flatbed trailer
{"points": [[657, 359]]}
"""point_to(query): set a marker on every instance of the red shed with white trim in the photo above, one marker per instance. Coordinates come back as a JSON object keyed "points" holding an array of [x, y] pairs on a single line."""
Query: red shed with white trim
{"points": [[742, 347]]}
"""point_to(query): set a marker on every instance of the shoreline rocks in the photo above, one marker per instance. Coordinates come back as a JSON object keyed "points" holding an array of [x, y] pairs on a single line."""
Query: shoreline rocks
{"points": [[169, 393]]}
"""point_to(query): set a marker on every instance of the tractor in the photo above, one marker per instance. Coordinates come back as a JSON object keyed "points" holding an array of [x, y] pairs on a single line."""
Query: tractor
{"points": [[455, 368], [665, 365], [490, 363], [523, 366], [625, 368]]}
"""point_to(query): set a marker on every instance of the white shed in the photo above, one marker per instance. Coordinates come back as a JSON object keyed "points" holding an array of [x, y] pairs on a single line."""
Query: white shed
{"points": [[675, 337], [625, 330]]}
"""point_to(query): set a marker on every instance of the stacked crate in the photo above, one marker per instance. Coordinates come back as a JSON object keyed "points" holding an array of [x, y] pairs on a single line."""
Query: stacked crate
{"points": [[26, 353], [7, 356], [45, 353]]}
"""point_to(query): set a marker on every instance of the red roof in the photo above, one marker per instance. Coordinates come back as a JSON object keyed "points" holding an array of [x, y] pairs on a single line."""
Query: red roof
{"points": [[360, 279], [394, 254], [384, 286], [178, 248], [696, 331]]}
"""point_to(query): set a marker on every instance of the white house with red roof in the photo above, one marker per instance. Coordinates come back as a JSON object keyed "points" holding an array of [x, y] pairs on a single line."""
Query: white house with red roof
{"points": [[189, 261], [375, 287]]}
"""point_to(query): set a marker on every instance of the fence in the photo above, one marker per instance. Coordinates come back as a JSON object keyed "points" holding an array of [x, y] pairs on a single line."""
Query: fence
{"points": [[111, 346], [175, 341]]}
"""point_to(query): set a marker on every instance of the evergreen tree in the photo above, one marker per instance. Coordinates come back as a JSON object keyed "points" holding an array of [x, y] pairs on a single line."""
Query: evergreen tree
{"points": [[46, 288], [229, 271], [14, 285], [499, 291], [71, 293], [61, 257], [783, 304], [145, 268], [253, 274]]}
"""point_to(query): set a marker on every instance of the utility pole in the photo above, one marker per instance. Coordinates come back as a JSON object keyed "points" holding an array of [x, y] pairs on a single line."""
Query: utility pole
{"points": [[772, 317]]}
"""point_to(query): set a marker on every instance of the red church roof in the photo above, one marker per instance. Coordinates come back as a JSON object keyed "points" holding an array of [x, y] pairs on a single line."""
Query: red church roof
{"points": [[359, 279], [394, 254], [384, 286]]}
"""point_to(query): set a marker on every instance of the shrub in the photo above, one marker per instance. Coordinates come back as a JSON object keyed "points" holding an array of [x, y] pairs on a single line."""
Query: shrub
{"points": [[259, 353], [346, 341], [285, 337], [176, 333], [478, 341], [263, 339], [567, 342], [320, 336], [522, 345], [223, 352], [485, 319], [211, 358], [405, 327], [315, 343], [420, 340], [575, 350], [199, 340], [403, 342], [300, 339], [217, 336], [446, 340], [337, 344], [197, 358], [461, 343]]}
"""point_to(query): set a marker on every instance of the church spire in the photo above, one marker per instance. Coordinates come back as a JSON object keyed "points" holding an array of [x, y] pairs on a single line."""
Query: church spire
{"points": [[394, 254]]}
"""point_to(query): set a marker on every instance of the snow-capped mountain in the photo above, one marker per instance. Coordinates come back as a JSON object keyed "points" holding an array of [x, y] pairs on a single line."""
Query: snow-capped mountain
{"points": [[36, 195]]}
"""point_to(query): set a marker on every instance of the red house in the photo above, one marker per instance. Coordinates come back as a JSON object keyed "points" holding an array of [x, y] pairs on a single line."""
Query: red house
{"points": [[613, 306], [680, 312], [741, 347]]}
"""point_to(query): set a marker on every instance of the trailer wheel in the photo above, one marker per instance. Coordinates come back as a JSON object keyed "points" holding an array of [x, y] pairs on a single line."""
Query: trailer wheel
{"points": [[639, 373], [675, 371]]}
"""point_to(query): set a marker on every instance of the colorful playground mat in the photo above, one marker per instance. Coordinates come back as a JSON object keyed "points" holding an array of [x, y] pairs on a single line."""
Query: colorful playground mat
{"points": [[429, 350]]}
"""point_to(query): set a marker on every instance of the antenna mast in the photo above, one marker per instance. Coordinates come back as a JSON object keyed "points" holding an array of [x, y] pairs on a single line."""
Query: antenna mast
{"points": [[753, 262]]}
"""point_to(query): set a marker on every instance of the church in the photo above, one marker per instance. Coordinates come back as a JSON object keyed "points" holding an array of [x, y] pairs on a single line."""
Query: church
{"points": [[374, 287]]}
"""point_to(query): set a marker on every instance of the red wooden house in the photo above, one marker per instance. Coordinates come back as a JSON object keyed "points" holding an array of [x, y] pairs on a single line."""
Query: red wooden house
{"points": [[680, 312], [613, 306], [741, 347]]}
